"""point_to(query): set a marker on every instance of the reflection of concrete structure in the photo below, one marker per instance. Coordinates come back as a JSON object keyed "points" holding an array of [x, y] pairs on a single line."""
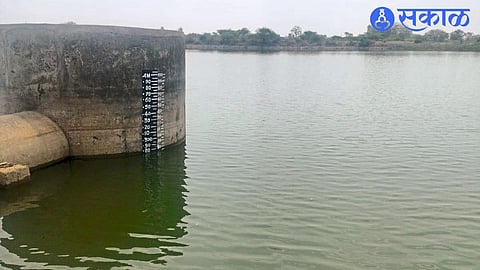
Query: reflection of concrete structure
{"points": [[87, 80], [138, 224]]}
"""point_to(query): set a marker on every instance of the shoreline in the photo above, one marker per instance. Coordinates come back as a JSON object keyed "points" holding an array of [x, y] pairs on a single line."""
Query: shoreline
{"points": [[386, 47]]}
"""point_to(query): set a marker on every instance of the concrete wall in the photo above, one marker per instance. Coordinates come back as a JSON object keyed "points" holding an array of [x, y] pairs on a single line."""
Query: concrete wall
{"points": [[31, 139], [87, 80]]}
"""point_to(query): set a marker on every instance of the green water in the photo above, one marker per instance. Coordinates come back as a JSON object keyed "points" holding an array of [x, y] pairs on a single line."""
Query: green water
{"points": [[98, 213], [292, 161]]}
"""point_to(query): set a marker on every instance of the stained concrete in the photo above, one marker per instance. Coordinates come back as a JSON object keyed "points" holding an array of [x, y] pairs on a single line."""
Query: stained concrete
{"points": [[13, 173], [87, 80], [32, 139]]}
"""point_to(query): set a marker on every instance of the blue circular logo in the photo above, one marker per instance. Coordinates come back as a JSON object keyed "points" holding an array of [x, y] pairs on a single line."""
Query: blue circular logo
{"points": [[382, 19]]}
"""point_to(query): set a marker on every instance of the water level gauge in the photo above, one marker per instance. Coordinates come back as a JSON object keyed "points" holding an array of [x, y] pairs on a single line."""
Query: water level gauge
{"points": [[153, 103]]}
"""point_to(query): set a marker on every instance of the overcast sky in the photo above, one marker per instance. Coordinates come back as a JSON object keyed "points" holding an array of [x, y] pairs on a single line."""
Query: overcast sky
{"points": [[329, 17]]}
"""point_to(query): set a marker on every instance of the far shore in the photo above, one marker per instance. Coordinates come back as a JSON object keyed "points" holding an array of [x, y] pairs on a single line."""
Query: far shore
{"points": [[387, 46]]}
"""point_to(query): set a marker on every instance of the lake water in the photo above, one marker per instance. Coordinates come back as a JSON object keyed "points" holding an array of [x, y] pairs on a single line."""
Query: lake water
{"points": [[292, 161]]}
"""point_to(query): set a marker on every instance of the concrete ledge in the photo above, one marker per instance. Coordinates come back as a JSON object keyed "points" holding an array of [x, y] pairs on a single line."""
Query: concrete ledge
{"points": [[13, 173]]}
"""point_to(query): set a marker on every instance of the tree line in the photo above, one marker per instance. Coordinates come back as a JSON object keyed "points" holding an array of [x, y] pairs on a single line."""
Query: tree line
{"points": [[265, 37]]}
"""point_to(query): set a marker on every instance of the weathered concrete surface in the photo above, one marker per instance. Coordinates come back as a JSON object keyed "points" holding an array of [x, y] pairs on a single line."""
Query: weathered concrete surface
{"points": [[87, 80], [13, 173], [32, 139]]}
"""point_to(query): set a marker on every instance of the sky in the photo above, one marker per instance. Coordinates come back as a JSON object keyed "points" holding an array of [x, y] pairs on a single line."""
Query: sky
{"points": [[330, 17]]}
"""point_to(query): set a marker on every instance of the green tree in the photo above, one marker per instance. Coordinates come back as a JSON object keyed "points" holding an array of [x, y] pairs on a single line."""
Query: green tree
{"points": [[436, 35], [209, 39], [296, 32], [233, 37], [265, 37], [374, 35], [363, 41], [400, 33], [243, 35], [227, 36], [469, 36], [192, 38], [418, 38], [457, 35], [312, 37]]}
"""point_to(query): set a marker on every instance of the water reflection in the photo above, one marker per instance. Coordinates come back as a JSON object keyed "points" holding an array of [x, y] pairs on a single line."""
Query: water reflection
{"points": [[122, 212]]}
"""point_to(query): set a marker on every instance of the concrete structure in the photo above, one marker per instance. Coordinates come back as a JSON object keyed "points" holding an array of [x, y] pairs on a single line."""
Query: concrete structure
{"points": [[13, 173], [87, 80], [31, 139]]}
